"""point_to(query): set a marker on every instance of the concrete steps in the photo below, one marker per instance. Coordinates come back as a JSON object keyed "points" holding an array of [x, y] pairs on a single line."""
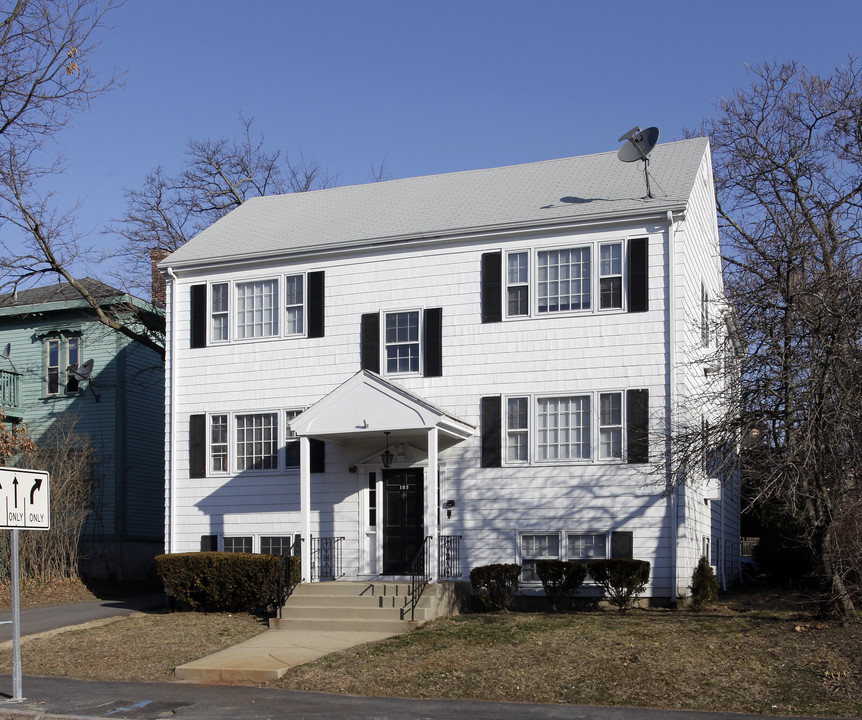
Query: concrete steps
{"points": [[362, 606]]}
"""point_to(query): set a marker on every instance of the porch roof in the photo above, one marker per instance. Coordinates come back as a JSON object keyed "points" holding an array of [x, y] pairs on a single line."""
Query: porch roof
{"points": [[366, 405]]}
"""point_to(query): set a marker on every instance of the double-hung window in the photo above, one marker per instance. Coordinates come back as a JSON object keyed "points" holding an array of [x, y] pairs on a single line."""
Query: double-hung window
{"points": [[537, 547], [52, 365], [517, 430], [257, 441], [73, 359], [291, 444], [294, 304], [62, 358], [563, 428], [517, 284], [219, 313], [611, 276], [610, 426], [401, 339], [564, 279], [257, 309], [585, 547], [237, 544], [218, 443]]}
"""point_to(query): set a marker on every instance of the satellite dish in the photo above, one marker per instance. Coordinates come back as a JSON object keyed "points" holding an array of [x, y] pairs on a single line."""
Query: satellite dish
{"points": [[638, 145], [7, 352], [83, 372]]}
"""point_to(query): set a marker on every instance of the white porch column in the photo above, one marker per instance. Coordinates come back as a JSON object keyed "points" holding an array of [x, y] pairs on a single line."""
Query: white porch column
{"points": [[305, 505], [432, 527]]}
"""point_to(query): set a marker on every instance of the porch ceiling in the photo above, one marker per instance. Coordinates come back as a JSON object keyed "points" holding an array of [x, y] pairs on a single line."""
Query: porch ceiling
{"points": [[366, 405]]}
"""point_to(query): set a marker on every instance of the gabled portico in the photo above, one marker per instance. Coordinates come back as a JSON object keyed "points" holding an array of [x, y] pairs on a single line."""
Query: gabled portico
{"points": [[365, 413]]}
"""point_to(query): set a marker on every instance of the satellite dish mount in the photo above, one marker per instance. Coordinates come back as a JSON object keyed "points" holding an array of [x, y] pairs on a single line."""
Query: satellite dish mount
{"points": [[85, 372], [638, 145]]}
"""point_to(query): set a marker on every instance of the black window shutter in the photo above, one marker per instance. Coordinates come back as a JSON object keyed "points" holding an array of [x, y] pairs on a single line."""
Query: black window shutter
{"points": [[492, 287], [622, 544], [198, 316], [637, 425], [317, 455], [370, 342], [197, 446], [638, 275], [433, 331], [315, 304], [209, 543], [492, 436]]}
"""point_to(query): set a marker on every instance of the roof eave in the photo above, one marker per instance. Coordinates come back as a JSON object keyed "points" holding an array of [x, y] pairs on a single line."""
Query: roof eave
{"points": [[659, 211]]}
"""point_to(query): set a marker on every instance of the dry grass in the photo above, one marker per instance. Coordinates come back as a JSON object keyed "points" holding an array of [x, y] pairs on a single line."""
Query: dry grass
{"points": [[756, 655]]}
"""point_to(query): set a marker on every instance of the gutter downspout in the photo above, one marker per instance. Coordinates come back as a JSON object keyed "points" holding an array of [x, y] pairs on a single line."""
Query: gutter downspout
{"points": [[673, 509], [172, 413]]}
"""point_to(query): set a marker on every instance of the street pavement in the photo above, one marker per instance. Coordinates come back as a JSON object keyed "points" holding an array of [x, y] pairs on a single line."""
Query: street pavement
{"points": [[50, 698]]}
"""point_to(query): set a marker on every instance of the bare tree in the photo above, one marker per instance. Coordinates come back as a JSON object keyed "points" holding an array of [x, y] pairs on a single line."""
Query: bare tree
{"points": [[787, 156], [218, 176], [45, 78]]}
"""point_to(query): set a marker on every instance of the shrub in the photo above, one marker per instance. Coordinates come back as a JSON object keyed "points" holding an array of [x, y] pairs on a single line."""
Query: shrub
{"points": [[236, 582], [622, 581], [704, 585], [496, 585], [560, 579]]}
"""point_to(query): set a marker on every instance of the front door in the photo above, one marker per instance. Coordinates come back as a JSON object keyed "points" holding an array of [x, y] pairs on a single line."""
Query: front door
{"points": [[403, 515]]}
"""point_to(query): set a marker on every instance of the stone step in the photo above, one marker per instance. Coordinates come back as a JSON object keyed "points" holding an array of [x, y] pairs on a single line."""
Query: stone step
{"points": [[329, 601], [343, 625], [354, 613], [355, 589]]}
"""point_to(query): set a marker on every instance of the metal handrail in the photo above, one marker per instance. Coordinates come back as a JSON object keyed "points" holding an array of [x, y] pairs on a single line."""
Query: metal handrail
{"points": [[288, 578], [449, 556], [420, 574], [326, 558]]}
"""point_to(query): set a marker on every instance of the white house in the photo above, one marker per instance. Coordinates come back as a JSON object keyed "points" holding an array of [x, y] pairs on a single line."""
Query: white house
{"points": [[481, 364]]}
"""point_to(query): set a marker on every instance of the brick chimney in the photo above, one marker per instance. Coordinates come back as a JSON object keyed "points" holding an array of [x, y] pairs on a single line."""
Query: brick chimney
{"points": [[157, 280]]}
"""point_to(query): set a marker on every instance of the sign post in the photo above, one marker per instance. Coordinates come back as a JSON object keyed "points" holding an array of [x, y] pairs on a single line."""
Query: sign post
{"points": [[24, 504]]}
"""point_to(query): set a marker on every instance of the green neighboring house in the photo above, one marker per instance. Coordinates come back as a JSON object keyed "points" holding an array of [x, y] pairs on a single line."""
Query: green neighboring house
{"points": [[46, 333]]}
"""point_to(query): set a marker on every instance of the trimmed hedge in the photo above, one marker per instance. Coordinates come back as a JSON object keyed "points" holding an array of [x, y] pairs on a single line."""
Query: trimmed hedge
{"points": [[233, 582], [622, 581], [496, 585], [560, 578]]}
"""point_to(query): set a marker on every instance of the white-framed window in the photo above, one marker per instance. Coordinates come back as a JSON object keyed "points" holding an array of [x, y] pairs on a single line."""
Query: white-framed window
{"points": [[564, 279], [563, 428], [537, 546], [257, 441], [517, 284], [52, 366], [218, 443], [241, 544], [294, 300], [517, 429], [276, 544], [586, 546], [610, 426], [291, 441], [401, 333], [219, 313], [73, 360], [257, 309], [611, 276]]}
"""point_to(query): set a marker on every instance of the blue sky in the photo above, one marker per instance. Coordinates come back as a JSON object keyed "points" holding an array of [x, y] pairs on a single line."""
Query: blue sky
{"points": [[429, 87]]}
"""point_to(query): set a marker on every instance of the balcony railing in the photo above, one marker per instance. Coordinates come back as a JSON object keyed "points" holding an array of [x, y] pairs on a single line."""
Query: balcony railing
{"points": [[10, 390]]}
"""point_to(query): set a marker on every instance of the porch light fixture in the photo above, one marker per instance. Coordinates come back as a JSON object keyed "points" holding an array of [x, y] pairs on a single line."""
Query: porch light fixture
{"points": [[387, 456]]}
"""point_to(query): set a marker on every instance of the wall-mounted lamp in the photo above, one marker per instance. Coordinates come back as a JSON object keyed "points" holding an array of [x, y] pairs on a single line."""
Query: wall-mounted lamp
{"points": [[387, 456]]}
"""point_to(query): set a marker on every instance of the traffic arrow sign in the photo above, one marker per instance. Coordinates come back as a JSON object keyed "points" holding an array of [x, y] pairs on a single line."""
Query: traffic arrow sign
{"points": [[28, 509]]}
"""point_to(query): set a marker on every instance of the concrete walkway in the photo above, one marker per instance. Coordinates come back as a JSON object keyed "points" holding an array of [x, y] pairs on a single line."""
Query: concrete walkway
{"points": [[266, 657]]}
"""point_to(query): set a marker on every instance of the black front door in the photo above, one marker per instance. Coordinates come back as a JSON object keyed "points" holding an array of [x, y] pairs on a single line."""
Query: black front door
{"points": [[403, 511]]}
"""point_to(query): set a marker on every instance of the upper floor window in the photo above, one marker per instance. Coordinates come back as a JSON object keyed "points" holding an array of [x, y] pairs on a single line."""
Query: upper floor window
{"points": [[517, 426], [611, 276], [52, 364], [219, 313], [73, 359], [563, 280], [563, 428], [401, 338], [610, 426], [517, 284], [225, 311], [257, 309]]}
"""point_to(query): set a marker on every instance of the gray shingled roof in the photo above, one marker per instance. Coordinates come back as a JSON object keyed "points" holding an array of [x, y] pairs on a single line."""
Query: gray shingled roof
{"points": [[58, 293], [573, 189]]}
